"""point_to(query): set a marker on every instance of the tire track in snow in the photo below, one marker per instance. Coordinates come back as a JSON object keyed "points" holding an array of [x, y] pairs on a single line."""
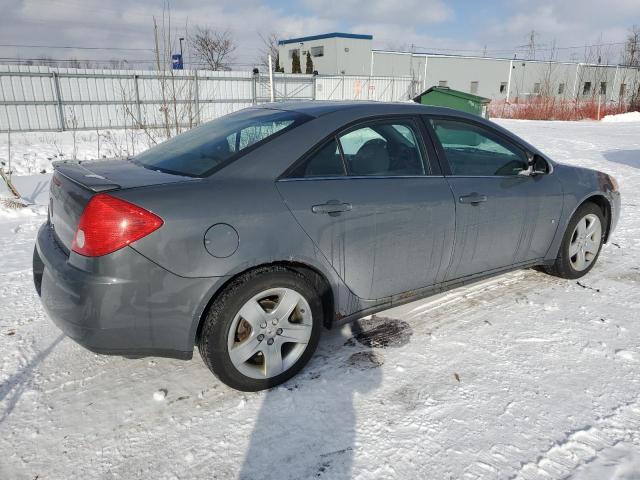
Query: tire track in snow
{"points": [[581, 446]]}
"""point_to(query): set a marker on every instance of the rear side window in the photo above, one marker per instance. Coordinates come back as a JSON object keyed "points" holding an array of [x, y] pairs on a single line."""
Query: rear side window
{"points": [[378, 149], [475, 151], [326, 162], [200, 151]]}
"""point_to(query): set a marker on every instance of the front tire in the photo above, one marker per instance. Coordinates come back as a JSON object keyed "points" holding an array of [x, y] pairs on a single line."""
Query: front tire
{"points": [[262, 329], [581, 244]]}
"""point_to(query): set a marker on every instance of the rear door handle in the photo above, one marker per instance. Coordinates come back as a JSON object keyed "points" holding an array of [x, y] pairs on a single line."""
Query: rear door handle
{"points": [[332, 207], [473, 198]]}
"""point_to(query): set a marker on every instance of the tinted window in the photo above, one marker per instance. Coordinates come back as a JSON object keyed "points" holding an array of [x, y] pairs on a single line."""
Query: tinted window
{"points": [[476, 151], [200, 150], [326, 162], [382, 149]]}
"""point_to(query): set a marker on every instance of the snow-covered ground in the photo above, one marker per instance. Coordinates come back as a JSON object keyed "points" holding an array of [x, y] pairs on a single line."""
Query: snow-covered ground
{"points": [[522, 376]]}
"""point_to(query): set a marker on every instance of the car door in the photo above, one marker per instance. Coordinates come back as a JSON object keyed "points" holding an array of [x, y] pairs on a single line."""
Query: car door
{"points": [[503, 217], [375, 207]]}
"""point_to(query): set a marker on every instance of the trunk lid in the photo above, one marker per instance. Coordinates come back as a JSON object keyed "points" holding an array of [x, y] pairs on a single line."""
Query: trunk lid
{"points": [[74, 183]]}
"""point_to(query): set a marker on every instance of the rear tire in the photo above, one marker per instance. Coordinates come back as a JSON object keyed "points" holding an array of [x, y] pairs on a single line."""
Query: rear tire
{"points": [[262, 329], [581, 244]]}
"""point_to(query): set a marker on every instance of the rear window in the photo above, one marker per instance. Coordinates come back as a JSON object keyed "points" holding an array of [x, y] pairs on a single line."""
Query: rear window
{"points": [[200, 151]]}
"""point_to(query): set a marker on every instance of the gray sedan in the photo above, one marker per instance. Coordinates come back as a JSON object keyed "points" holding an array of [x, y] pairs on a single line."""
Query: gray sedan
{"points": [[249, 234]]}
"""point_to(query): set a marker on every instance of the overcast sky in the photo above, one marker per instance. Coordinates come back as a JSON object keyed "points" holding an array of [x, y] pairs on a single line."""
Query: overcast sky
{"points": [[499, 26]]}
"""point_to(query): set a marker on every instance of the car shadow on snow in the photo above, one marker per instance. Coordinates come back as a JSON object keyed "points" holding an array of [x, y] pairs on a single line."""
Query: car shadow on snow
{"points": [[15, 385], [630, 158], [306, 428]]}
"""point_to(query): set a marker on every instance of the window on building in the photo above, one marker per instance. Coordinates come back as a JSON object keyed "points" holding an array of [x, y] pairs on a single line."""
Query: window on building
{"points": [[294, 50], [623, 89], [317, 51], [503, 87], [586, 89], [474, 87], [443, 83], [476, 151], [561, 89], [603, 88], [536, 88]]}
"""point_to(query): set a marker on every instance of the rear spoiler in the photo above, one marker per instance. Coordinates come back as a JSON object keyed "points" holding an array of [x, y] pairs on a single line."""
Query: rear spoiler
{"points": [[79, 174]]}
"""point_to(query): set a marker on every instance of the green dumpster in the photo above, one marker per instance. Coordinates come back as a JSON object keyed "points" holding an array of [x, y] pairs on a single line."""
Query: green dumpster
{"points": [[446, 97]]}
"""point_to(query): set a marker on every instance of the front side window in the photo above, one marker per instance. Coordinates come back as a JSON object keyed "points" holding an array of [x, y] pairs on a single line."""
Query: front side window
{"points": [[378, 149], [198, 152], [475, 151]]}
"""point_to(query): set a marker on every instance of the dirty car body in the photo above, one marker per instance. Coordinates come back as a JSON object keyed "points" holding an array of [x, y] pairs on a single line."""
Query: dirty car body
{"points": [[379, 203]]}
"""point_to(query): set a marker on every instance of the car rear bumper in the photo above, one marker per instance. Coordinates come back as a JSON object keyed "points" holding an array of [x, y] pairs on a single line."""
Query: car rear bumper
{"points": [[120, 304]]}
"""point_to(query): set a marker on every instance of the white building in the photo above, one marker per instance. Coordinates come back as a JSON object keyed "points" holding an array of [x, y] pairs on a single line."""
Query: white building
{"points": [[494, 78], [331, 53]]}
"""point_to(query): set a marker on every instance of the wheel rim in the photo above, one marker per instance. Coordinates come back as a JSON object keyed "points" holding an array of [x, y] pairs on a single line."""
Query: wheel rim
{"points": [[270, 333], [585, 242]]}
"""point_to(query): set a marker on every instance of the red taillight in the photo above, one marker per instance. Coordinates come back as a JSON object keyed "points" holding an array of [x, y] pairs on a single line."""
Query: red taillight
{"points": [[108, 224]]}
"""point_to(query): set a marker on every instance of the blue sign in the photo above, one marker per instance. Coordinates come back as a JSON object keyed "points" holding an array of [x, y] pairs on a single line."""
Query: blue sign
{"points": [[176, 61]]}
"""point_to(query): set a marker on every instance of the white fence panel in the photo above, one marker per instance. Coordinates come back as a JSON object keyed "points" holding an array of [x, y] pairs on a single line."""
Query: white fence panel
{"points": [[389, 89], [44, 98]]}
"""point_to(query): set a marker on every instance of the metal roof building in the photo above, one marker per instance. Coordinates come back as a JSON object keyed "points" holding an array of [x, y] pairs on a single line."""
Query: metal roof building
{"points": [[493, 78]]}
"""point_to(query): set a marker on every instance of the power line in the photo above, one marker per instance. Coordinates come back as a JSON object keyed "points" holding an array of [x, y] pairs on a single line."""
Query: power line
{"points": [[518, 48], [71, 47]]}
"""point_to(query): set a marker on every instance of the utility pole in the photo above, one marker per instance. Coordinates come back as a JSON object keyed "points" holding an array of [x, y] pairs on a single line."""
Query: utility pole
{"points": [[532, 45], [181, 55], [271, 91]]}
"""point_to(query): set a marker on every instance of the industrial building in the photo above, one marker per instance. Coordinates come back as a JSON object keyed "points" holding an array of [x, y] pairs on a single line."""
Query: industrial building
{"points": [[494, 78]]}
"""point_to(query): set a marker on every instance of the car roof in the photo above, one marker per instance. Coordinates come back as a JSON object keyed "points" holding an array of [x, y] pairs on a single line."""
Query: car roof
{"points": [[363, 109], [318, 108]]}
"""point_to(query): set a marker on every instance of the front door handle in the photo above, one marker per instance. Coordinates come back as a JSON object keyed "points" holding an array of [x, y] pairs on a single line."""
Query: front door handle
{"points": [[332, 208], [473, 198]]}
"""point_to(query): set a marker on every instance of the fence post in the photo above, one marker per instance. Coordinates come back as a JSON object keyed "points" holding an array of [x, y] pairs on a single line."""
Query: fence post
{"points": [[56, 87], [313, 87], [254, 88], [138, 109], [196, 96]]}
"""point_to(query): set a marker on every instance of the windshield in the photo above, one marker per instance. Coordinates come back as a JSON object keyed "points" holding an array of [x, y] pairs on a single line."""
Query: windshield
{"points": [[200, 151]]}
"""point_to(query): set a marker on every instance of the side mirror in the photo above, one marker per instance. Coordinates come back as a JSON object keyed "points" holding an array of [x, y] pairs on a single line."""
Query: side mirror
{"points": [[533, 166]]}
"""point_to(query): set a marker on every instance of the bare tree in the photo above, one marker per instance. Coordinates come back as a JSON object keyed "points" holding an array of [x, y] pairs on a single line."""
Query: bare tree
{"points": [[631, 53], [213, 48], [631, 67], [269, 47]]}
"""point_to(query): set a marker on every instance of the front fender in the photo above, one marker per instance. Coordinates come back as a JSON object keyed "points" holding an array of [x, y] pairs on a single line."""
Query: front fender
{"points": [[581, 185]]}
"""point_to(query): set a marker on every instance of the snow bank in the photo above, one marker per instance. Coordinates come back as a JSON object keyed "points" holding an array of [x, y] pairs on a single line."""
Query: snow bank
{"points": [[34, 152], [623, 117]]}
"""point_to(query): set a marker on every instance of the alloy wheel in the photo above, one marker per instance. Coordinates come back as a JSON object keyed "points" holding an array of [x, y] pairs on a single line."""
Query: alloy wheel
{"points": [[270, 333], [585, 242]]}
